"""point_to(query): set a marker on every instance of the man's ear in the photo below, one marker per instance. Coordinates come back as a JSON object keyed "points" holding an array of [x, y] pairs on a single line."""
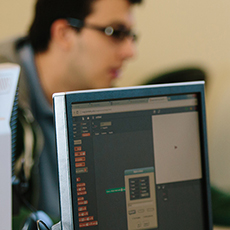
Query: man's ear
{"points": [[61, 34]]}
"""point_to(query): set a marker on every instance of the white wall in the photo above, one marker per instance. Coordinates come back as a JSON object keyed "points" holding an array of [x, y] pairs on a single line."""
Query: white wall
{"points": [[173, 34], [191, 33], [15, 17]]}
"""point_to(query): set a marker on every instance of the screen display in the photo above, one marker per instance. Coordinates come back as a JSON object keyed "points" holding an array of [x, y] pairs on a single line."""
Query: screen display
{"points": [[136, 164]]}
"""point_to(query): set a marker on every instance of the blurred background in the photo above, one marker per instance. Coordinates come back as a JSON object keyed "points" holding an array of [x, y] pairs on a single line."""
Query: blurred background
{"points": [[173, 35]]}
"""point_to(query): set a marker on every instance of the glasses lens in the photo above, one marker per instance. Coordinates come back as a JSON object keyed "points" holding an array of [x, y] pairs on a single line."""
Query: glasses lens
{"points": [[134, 37], [120, 34]]}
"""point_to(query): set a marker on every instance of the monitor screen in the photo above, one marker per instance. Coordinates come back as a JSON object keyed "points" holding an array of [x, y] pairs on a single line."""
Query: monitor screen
{"points": [[136, 163]]}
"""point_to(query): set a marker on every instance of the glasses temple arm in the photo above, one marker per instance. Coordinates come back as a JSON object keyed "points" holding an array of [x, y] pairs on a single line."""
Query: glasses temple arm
{"points": [[75, 22]]}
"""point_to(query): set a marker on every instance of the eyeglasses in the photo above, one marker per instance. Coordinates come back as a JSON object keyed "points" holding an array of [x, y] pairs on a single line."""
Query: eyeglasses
{"points": [[118, 34]]}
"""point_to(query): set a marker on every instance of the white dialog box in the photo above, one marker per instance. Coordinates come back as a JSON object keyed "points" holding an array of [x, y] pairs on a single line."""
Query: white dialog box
{"points": [[140, 193]]}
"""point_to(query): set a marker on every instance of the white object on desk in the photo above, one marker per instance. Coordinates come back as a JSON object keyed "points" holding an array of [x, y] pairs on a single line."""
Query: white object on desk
{"points": [[9, 74]]}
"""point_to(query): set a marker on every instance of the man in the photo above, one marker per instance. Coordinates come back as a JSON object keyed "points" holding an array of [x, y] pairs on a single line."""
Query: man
{"points": [[71, 45]]}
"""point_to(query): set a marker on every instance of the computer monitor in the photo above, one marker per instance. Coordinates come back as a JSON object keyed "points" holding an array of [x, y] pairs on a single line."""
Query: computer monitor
{"points": [[133, 158]]}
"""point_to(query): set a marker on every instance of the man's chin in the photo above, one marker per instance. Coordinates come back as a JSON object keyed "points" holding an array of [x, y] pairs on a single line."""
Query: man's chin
{"points": [[109, 85]]}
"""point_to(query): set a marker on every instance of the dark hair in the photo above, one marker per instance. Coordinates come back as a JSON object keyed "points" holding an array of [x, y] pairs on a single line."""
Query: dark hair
{"points": [[47, 11]]}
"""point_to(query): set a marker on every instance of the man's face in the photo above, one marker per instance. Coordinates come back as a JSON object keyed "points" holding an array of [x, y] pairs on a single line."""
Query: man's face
{"points": [[97, 59]]}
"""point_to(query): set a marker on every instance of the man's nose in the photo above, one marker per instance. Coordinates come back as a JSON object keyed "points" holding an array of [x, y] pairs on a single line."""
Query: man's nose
{"points": [[127, 49]]}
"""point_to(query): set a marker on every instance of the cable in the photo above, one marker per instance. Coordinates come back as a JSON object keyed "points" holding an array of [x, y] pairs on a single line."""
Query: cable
{"points": [[40, 221], [16, 185], [32, 209]]}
